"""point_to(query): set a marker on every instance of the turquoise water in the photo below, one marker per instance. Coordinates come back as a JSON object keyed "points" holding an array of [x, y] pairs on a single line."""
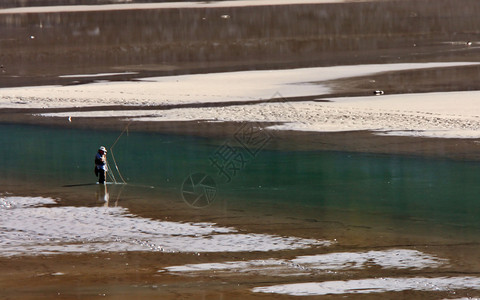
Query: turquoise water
{"points": [[298, 183]]}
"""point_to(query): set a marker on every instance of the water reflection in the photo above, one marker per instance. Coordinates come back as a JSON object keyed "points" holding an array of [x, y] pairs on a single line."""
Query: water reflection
{"points": [[102, 195], [108, 194]]}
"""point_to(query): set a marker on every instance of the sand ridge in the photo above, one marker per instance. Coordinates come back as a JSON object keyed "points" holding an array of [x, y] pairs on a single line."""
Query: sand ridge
{"points": [[449, 114], [167, 5]]}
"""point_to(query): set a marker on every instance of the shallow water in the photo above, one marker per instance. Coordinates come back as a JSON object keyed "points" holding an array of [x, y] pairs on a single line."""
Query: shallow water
{"points": [[383, 192]]}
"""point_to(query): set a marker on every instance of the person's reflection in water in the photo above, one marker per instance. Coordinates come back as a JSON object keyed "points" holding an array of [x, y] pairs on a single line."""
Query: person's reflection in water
{"points": [[102, 194]]}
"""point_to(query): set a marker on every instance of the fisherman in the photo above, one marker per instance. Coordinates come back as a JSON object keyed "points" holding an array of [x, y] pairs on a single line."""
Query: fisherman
{"points": [[101, 164]]}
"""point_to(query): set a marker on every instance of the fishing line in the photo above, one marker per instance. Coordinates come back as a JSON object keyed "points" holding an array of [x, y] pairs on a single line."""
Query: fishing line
{"points": [[113, 156], [112, 176], [116, 165]]}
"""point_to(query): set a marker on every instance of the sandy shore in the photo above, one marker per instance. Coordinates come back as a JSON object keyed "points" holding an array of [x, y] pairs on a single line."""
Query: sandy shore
{"points": [[448, 115], [167, 5], [203, 88], [311, 107]]}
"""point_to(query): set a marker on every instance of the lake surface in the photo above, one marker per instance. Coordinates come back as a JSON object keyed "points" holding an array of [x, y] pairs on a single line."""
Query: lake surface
{"points": [[396, 193]]}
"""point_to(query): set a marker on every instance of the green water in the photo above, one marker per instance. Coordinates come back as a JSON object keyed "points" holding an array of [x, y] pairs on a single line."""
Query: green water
{"points": [[397, 188]]}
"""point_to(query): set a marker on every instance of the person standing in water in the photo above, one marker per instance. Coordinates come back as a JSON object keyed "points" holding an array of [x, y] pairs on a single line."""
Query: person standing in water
{"points": [[101, 164]]}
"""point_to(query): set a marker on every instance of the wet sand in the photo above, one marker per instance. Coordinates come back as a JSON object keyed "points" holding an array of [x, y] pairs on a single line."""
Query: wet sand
{"points": [[146, 275], [136, 275], [326, 35]]}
